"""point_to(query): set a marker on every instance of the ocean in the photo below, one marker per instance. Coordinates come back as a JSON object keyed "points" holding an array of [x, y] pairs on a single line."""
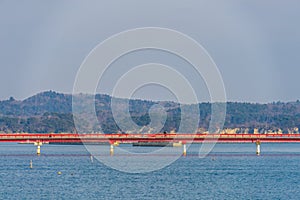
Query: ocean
{"points": [[230, 171]]}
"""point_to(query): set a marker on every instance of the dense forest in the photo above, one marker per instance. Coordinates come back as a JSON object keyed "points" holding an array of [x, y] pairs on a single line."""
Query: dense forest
{"points": [[52, 112]]}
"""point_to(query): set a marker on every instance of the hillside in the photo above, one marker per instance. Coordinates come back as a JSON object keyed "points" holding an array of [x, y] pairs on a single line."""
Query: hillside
{"points": [[52, 112]]}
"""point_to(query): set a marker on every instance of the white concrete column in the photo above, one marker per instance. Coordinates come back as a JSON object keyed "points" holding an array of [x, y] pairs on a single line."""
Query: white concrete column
{"points": [[38, 149], [111, 149], [184, 149], [257, 148]]}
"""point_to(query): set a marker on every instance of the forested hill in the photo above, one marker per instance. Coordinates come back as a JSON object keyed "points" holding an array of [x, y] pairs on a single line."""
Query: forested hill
{"points": [[52, 112]]}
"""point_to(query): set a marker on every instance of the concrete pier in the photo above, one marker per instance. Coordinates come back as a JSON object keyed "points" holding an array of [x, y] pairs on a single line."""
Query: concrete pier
{"points": [[111, 150], [257, 147], [184, 149], [38, 149]]}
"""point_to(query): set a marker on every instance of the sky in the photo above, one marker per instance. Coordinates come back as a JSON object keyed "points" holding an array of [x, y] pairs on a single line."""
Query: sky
{"points": [[255, 44]]}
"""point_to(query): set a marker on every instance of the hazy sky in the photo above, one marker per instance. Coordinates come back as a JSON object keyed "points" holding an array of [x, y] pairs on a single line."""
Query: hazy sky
{"points": [[255, 44]]}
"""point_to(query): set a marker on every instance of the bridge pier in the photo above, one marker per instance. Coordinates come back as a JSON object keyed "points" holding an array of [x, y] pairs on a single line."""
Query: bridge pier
{"points": [[111, 150], [257, 147], [184, 149], [38, 149]]}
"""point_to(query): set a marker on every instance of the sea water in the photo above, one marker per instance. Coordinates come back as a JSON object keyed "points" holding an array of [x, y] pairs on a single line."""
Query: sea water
{"points": [[230, 171]]}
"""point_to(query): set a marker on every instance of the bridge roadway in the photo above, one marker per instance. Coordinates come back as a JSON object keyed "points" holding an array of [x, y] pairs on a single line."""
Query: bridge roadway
{"points": [[179, 139], [135, 138]]}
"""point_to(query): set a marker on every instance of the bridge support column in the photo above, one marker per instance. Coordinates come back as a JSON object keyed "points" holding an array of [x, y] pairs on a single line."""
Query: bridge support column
{"points": [[257, 147], [184, 149], [111, 150], [38, 149]]}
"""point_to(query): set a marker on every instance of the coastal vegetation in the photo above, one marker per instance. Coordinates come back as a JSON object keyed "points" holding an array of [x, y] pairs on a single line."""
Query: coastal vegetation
{"points": [[51, 112]]}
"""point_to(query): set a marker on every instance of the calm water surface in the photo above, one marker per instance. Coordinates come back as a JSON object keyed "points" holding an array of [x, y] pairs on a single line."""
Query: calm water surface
{"points": [[231, 171]]}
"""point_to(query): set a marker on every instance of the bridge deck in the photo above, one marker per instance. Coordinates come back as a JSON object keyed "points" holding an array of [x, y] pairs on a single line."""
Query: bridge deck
{"points": [[134, 138]]}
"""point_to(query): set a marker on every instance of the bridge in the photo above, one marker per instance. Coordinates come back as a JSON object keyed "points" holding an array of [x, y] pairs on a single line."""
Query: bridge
{"points": [[177, 139]]}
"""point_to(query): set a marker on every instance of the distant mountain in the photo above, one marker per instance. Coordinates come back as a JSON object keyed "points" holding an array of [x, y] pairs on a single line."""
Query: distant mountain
{"points": [[46, 102], [52, 112]]}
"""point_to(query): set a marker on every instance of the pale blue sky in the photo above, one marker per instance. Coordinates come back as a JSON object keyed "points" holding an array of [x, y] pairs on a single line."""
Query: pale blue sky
{"points": [[255, 44]]}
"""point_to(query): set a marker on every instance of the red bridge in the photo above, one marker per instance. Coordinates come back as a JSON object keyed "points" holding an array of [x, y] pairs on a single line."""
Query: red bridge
{"points": [[134, 138], [180, 138]]}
